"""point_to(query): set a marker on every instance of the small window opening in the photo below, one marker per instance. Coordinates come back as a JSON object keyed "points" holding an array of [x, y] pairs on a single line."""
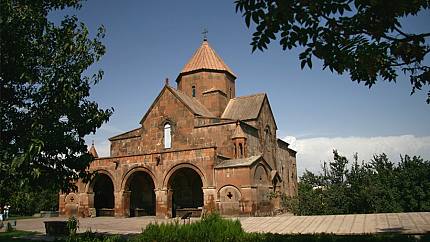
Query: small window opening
{"points": [[194, 91], [229, 195], [241, 150], [167, 136]]}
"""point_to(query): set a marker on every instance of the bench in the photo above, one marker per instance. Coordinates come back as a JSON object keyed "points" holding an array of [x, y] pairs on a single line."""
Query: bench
{"points": [[56, 228], [187, 216]]}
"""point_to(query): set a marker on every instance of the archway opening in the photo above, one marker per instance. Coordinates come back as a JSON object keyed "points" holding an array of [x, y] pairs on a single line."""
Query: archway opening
{"points": [[142, 195], [187, 194], [104, 201]]}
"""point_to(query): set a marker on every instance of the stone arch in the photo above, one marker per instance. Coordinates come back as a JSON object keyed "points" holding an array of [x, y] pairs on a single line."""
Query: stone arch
{"points": [[230, 199], [167, 175], [184, 183], [262, 182], [225, 191], [137, 168], [101, 196], [261, 175], [89, 186]]}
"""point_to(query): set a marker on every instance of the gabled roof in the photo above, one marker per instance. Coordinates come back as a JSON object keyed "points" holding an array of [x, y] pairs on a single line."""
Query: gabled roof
{"points": [[129, 134], [205, 58], [192, 104], [244, 108], [239, 162]]}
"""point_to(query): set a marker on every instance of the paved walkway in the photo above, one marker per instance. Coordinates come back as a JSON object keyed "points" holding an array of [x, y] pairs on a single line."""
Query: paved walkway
{"points": [[407, 223]]}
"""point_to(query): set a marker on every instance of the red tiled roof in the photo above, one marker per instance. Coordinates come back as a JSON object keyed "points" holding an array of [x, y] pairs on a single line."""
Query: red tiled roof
{"points": [[205, 58]]}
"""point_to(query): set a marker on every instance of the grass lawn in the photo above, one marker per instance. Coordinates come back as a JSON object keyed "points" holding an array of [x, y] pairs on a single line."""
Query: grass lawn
{"points": [[19, 217], [15, 236]]}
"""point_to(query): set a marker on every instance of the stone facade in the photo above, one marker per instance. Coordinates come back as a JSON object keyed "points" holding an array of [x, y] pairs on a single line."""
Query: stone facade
{"points": [[199, 148]]}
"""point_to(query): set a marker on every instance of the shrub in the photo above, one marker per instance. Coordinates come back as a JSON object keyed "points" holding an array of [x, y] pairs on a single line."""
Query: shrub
{"points": [[72, 225], [210, 228]]}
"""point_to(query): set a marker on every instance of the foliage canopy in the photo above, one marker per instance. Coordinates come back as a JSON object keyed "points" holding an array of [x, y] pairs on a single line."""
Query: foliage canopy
{"points": [[373, 187], [361, 37], [45, 105]]}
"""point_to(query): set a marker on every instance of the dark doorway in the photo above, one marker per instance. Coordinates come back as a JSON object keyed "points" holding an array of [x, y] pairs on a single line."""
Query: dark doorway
{"points": [[186, 186], [142, 197], [104, 200]]}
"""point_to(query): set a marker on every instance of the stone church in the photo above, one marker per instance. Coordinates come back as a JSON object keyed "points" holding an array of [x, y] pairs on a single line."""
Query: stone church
{"points": [[199, 148]]}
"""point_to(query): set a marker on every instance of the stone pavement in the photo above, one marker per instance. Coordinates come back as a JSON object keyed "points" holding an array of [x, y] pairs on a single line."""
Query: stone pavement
{"points": [[407, 223]]}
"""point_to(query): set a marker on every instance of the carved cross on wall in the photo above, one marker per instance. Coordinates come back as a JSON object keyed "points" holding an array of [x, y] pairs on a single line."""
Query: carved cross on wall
{"points": [[229, 195]]}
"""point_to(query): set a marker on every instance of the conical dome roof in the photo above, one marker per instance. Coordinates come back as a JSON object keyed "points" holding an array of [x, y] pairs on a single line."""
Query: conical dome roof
{"points": [[238, 133], [205, 58], [93, 151]]}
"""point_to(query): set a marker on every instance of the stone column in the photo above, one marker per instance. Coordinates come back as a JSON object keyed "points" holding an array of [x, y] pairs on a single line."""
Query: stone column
{"points": [[163, 203], [249, 200], [209, 197], [83, 205], [122, 203], [62, 204], [91, 208]]}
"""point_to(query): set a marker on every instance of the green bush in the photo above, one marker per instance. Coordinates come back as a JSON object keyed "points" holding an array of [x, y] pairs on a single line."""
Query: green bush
{"points": [[210, 228], [95, 237]]}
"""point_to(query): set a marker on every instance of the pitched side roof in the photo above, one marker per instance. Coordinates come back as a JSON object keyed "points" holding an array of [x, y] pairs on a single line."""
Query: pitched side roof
{"points": [[129, 134], [244, 108], [191, 103], [205, 58], [239, 162]]}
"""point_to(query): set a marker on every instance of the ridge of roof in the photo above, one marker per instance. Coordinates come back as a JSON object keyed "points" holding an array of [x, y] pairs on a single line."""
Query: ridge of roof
{"points": [[205, 58], [239, 162], [249, 96]]}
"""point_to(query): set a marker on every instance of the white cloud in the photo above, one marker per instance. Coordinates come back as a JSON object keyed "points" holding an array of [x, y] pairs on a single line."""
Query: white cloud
{"points": [[313, 151]]}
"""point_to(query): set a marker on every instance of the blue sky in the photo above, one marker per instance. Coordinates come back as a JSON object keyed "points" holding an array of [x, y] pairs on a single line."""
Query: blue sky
{"points": [[315, 110]]}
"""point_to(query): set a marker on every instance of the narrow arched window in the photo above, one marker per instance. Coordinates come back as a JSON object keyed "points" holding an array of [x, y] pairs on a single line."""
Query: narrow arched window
{"points": [[194, 91], [241, 150], [167, 136], [235, 151]]}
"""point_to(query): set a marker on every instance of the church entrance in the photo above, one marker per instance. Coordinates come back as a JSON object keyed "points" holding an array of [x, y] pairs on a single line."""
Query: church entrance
{"points": [[142, 195], [187, 194], [104, 201]]}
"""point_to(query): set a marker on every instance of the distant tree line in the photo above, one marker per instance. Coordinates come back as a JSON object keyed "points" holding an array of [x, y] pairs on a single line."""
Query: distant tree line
{"points": [[28, 201], [376, 186]]}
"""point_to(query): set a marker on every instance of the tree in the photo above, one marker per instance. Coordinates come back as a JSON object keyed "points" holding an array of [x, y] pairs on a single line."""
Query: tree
{"points": [[361, 37], [372, 187], [45, 105]]}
